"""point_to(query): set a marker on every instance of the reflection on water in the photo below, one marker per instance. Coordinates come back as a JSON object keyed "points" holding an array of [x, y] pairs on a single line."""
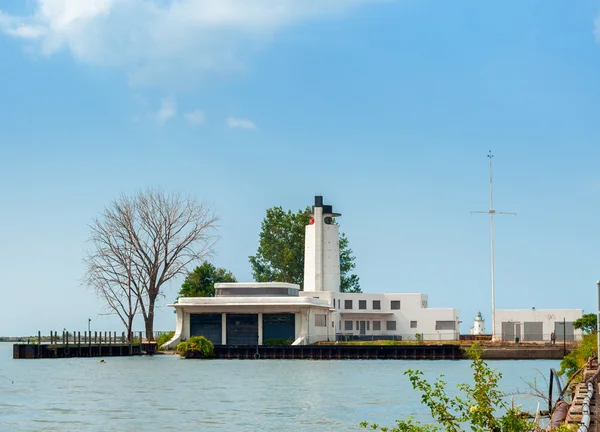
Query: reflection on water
{"points": [[153, 393]]}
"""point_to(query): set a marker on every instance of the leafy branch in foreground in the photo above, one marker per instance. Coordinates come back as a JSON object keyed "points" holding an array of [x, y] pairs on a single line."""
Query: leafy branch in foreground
{"points": [[478, 408]]}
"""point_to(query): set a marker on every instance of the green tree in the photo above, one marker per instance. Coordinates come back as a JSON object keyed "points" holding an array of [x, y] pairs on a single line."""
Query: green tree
{"points": [[587, 323], [201, 281], [280, 254]]}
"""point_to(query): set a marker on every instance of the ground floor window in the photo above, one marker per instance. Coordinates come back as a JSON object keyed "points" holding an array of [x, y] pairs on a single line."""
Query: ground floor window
{"points": [[376, 325], [320, 320], [413, 324], [348, 325], [390, 325], [445, 325]]}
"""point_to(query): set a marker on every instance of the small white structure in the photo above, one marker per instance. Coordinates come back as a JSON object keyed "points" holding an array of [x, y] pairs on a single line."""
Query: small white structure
{"points": [[537, 324], [258, 313], [478, 325]]}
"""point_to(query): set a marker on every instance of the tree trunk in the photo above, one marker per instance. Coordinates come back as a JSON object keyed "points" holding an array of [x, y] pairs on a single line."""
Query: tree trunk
{"points": [[150, 319], [129, 327]]}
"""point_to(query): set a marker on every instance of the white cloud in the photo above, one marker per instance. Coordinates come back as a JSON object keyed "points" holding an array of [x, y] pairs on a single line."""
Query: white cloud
{"points": [[168, 109], [162, 42], [234, 122], [195, 117]]}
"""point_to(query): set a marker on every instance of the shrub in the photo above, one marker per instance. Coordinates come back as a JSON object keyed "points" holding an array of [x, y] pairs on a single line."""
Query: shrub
{"points": [[478, 407], [196, 347], [577, 358], [164, 338]]}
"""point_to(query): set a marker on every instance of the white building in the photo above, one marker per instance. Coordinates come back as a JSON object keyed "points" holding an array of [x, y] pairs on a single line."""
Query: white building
{"points": [[538, 324], [254, 313], [478, 325]]}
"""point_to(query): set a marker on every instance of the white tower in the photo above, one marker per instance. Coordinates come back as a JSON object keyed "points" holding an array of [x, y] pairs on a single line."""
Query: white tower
{"points": [[322, 250], [478, 325]]}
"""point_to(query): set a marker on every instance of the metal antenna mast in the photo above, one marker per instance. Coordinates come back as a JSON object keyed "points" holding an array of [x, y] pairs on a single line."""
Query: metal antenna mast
{"points": [[492, 212]]}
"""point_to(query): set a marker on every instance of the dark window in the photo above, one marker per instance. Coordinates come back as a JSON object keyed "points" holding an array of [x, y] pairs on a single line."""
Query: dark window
{"points": [[348, 325], [357, 325], [390, 325], [413, 324], [376, 304], [376, 325], [395, 304], [347, 304], [445, 325], [367, 325], [320, 320], [362, 304], [339, 307]]}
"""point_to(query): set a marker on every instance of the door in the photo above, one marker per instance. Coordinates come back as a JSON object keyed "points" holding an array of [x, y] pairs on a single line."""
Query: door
{"points": [[363, 327], [242, 329], [207, 325], [279, 327], [564, 332], [533, 331]]}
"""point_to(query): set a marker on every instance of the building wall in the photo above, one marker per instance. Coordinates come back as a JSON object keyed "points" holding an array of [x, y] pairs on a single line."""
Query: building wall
{"points": [[413, 316], [547, 317]]}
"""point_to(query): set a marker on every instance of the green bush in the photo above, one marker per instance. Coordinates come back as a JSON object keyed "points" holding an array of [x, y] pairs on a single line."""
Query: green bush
{"points": [[275, 342], [480, 407], [577, 358], [164, 338], [196, 347]]}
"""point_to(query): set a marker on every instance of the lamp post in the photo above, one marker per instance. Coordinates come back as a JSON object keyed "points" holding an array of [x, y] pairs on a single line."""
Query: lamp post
{"points": [[89, 323], [564, 337], [598, 322]]}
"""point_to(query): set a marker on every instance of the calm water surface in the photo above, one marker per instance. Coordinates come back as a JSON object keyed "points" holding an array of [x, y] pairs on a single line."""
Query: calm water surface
{"points": [[155, 393]]}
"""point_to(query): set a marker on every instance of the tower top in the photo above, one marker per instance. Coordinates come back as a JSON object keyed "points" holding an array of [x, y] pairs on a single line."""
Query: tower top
{"points": [[326, 209]]}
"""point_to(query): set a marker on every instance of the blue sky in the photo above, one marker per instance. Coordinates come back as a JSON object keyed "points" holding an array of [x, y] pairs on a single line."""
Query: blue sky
{"points": [[386, 108]]}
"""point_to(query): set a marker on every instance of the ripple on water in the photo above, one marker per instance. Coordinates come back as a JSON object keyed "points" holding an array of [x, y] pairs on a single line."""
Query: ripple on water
{"points": [[131, 394]]}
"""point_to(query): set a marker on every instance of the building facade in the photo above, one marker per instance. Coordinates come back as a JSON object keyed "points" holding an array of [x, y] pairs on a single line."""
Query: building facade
{"points": [[537, 325], [261, 313]]}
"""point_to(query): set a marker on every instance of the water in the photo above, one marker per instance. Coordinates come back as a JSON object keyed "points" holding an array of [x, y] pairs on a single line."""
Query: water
{"points": [[154, 393]]}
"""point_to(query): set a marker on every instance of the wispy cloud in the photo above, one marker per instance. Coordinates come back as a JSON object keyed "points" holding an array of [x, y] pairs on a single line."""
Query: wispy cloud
{"points": [[162, 42], [195, 117], [168, 109], [234, 122]]}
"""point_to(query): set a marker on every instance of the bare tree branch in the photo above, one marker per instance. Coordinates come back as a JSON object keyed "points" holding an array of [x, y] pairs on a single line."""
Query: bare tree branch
{"points": [[139, 243]]}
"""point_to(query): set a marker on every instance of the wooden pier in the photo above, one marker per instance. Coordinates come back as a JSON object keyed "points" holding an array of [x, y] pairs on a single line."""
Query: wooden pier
{"points": [[585, 410], [76, 344]]}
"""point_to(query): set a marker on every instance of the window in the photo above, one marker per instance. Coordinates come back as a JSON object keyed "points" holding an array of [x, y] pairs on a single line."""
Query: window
{"points": [[339, 307], [390, 325], [413, 324], [347, 304], [362, 304], [445, 325], [348, 325], [320, 320], [357, 325], [376, 325], [395, 304], [424, 304], [368, 325], [376, 304], [340, 324]]}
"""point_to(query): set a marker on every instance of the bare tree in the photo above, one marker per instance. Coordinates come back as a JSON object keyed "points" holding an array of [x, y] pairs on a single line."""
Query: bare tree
{"points": [[147, 239], [110, 274]]}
